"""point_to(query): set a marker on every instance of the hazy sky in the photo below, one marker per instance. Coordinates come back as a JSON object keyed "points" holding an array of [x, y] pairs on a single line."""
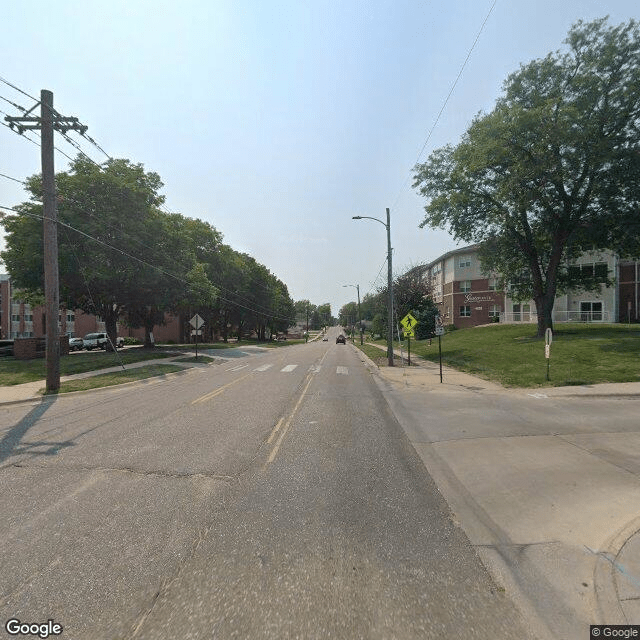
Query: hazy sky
{"points": [[274, 120]]}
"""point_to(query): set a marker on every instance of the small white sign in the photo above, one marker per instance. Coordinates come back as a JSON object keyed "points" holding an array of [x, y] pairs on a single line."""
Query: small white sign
{"points": [[439, 331], [196, 322], [547, 351], [195, 332], [548, 336]]}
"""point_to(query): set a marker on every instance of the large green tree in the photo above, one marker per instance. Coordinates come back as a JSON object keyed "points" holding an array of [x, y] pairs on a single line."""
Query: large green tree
{"points": [[99, 208], [553, 170]]}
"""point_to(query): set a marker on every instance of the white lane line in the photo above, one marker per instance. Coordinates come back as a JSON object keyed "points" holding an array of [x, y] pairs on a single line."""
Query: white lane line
{"points": [[289, 368], [242, 366], [315, 368], [263, 367], [342, 371]]}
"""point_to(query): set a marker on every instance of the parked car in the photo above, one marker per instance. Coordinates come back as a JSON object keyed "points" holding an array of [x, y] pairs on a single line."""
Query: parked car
{"points": [[76, 344], [99, 341], [341, 339]]}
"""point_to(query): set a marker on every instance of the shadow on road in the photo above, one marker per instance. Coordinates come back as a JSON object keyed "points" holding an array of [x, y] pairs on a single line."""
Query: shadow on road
{"points": [[11, 443]]}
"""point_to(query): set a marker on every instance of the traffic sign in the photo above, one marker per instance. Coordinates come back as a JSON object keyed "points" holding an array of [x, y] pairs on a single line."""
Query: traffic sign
{"points": [[408, 322], [196, 322], [409, 333], [548, 336], [439, 331]]}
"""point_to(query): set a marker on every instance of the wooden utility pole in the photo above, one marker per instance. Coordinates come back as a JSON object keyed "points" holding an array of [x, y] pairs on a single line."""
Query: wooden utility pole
{"points": [[48, 121], [50, 222]]}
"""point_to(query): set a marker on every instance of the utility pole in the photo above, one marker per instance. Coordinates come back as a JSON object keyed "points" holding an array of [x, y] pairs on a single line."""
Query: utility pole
{"points": [[48, 121], [389, 283], [390, 286]]}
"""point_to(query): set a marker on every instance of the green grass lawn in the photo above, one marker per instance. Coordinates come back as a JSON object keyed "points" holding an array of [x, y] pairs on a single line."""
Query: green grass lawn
{"points": [[118, 377], [14, 371], [514, 356]]}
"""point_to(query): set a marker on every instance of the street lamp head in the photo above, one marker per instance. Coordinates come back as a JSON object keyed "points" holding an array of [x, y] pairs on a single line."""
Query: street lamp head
{"points": [[356, 217]]}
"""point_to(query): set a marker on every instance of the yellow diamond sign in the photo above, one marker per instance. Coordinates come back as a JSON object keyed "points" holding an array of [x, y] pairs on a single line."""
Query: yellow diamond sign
{"points": [[408, 322]]}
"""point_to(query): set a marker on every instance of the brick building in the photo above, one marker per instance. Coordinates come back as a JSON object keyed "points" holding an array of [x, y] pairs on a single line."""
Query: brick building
{"points": [[19, 320], [468, 297]]}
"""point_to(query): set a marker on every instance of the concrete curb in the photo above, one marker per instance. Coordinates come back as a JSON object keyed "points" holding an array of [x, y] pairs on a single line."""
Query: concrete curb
{"points": [[186, 367]]}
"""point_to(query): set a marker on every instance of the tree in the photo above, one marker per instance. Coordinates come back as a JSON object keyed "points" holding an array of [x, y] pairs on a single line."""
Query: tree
{"points": [[552, 171], [99, 208]]}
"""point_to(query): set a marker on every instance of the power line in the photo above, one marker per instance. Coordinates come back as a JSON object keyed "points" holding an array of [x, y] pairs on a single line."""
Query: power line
{"points": [[148, 264], [446, 101], [13, 86], [4, 175], [13, 104]]}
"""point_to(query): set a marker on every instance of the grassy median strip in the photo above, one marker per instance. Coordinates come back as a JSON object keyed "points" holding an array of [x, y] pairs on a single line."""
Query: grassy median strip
{"points": [[514, 356], [118, 377], [14, 371]]}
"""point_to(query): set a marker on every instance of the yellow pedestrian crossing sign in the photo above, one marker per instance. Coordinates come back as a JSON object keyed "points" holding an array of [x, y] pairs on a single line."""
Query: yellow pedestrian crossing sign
{"points": [[408, 322]]}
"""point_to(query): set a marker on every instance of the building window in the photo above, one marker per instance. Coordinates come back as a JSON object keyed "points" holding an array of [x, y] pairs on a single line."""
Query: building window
{"points": [[465, 261], [71, 316], [591, 311], [465, 285], [15, 318], [465, 311], [493, 284], [494, 311]]}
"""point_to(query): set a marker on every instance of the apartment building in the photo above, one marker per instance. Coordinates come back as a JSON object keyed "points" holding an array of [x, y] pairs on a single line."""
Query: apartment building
{"points": [[468, 297], [19, 320]]}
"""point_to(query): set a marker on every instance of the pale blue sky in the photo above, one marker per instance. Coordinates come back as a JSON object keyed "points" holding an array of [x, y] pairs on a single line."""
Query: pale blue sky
{"points": [[277, 121]]}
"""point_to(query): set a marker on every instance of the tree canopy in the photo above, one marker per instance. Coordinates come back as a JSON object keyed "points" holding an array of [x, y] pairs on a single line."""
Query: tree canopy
{"points": [[121, 257], [552, 171]]}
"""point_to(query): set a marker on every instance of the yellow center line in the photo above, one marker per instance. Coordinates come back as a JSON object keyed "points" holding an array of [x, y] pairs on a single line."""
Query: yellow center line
{"points": [[276, 448], [219, 390], [275, 430]]}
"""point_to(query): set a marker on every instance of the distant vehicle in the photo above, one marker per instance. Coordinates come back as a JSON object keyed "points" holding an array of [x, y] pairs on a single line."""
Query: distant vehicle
{"points": [[76, 344], [99, 341], [341, 339]]}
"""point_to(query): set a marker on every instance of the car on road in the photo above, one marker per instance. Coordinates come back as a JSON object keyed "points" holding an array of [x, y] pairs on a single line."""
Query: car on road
{"points": [[76, 344], [341, 339]]}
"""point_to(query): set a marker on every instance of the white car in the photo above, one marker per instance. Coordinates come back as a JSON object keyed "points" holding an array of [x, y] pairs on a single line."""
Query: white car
{"points": [[99, 341], [76, 344]]}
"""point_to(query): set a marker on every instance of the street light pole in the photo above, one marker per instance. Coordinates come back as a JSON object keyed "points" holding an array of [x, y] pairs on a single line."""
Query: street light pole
{"points": [[357, 286], [389, 283]]}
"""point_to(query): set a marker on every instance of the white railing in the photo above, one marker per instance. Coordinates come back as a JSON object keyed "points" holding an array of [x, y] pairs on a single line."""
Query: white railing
{"points": [[522, 317], [557, 316], [582, 316]]}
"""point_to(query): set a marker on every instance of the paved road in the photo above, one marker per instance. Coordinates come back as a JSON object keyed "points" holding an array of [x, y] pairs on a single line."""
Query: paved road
{"points": [[271, 496]]}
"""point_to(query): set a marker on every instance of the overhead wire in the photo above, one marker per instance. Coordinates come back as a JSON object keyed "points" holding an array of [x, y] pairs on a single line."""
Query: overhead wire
{"points": [[446, 101], [144, 262], [94, 143]]}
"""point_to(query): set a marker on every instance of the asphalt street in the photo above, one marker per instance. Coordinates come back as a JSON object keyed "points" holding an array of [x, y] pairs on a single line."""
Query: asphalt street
{"points": [[274, 495]]}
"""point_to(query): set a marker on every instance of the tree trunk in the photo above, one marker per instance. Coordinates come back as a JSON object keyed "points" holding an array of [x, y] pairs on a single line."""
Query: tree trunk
{"points": [[544, 309]]}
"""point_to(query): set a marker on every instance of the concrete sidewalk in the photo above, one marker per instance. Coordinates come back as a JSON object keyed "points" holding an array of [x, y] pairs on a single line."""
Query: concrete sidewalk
{"points": [[545, 483], [452, 379]]}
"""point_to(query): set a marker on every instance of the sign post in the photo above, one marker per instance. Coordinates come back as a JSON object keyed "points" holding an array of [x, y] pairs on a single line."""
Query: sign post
{"points": [[439, 332], [197, 323], [548, 339]]}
